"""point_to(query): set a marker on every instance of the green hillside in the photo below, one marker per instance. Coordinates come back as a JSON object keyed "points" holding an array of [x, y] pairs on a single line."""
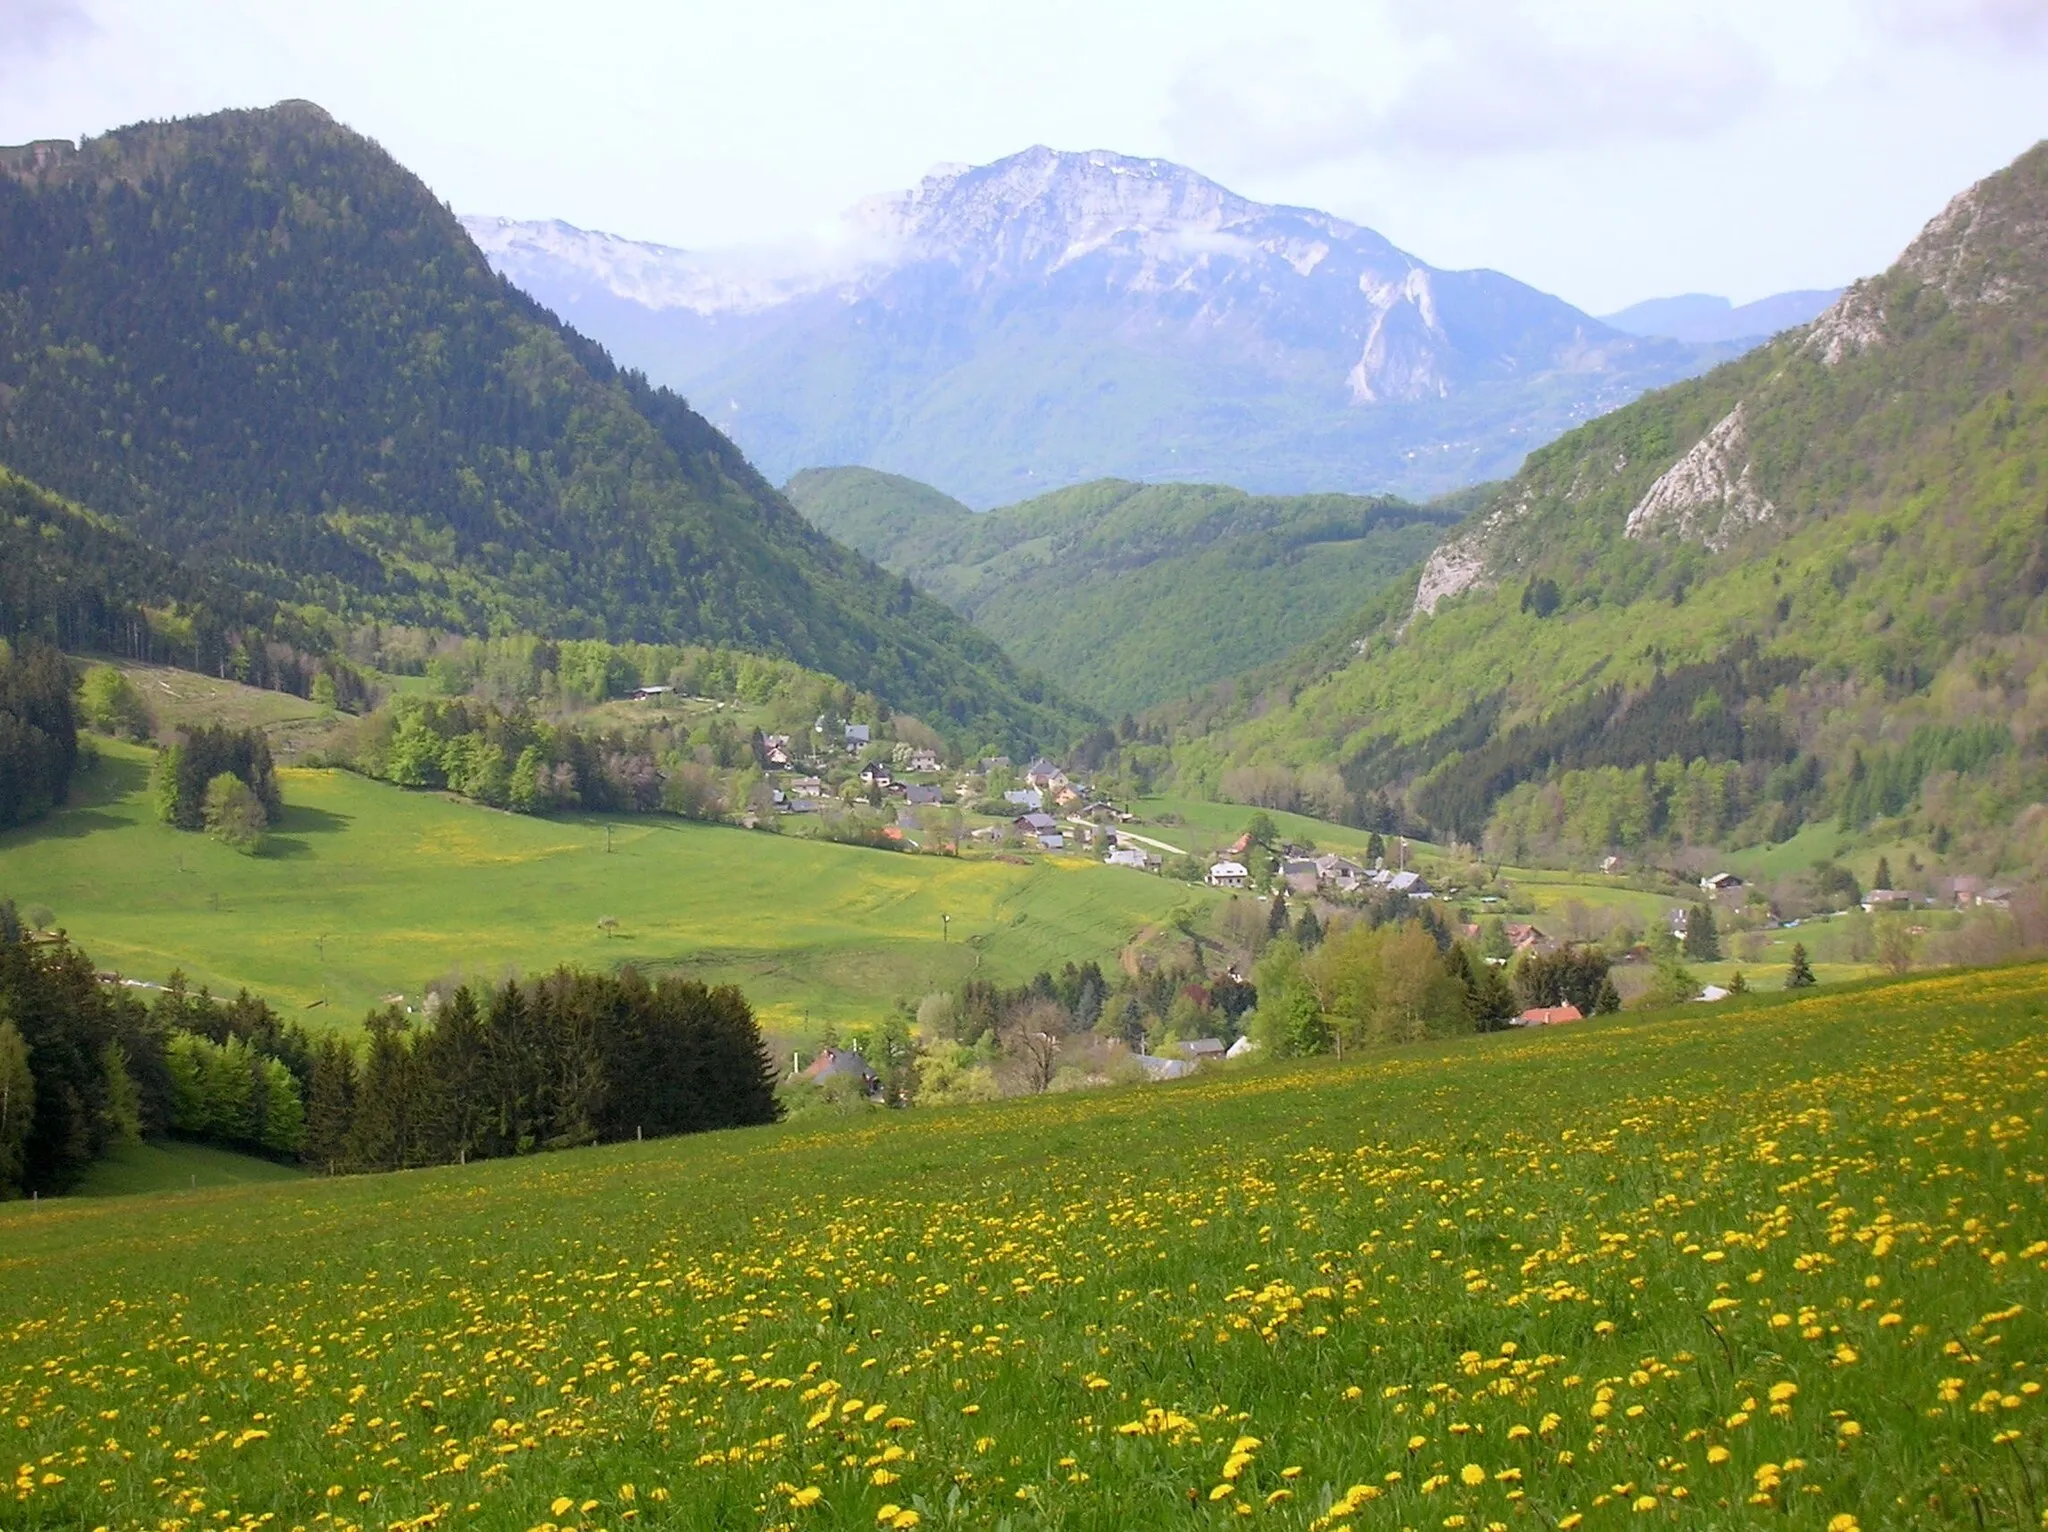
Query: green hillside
{"points": [[1811, 584], [366, 890], [1131, 594], [256, 341], [1776, 1266]]}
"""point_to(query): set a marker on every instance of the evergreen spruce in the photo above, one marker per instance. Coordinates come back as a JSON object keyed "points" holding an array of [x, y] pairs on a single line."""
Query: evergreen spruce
{"points": [[1799, 974]]}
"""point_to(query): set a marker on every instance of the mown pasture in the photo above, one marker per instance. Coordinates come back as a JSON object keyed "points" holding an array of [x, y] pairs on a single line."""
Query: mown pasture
{"points": [[367, 891], [1784, 1264]]}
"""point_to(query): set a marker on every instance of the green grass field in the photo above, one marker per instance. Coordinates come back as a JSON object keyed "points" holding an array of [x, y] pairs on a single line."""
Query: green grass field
{"points": [[1783, 1265], [367, 890], [133, 1169]]}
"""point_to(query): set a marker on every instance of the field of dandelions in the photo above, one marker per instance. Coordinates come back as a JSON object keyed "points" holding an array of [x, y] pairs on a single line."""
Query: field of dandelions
{"points": [[1783, 1266]]}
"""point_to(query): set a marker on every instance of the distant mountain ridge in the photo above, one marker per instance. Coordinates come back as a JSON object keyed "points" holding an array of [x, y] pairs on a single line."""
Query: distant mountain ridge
{"points": [[1131, 594], [1701, 319], [1056, 317], [257, 342]]}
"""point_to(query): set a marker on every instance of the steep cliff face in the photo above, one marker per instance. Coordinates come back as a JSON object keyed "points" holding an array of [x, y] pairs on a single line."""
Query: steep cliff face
{"points": [[1053, 317]]}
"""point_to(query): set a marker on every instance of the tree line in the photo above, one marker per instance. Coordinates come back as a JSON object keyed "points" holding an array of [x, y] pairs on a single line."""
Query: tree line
{"points": [[568, 1059], [38, 732]]}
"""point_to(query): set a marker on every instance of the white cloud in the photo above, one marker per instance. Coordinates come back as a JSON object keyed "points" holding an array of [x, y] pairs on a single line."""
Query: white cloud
{"points": [[33, 29], [1973, 23], [1469, 81]]}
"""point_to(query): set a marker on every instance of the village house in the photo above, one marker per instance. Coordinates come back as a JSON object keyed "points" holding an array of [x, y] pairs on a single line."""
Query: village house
{"points": [[1301, 875], [1240, 1048], [915, 796], [1025, 798], [842, 1064], [1201, 1049], [1548, 1016], [806, 787], [1525, 938], [650, 693], [1720, 883], [1035, 823], [1228, 874], [1336, 871], [1886, 899], [1129, 856], [1042, 773], [857, 736], [1052, 840], [925, 761], [875, 774]]}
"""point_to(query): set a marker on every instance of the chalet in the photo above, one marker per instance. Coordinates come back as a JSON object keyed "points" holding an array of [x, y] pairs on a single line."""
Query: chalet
{"points": [[1301, 875], [857, 736], [1101, 808], [1035, 824], [1128, 856], [1548, 1016], [1886, 899], [1332, 868], [1527, 938], [991, 763], [650, 693], [806, 787], [1025, 798], [775, 757], [1201, 1048], [1228, 874], [925, 761], [842, 1064], [1042, 773], [922, 797], [1066, 796], [1720, 883], [1412, 884], [875, 774]]}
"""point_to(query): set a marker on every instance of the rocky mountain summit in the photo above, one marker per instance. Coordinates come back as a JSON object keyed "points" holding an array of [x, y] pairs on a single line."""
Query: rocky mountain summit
{"points": [[1002, 329]]}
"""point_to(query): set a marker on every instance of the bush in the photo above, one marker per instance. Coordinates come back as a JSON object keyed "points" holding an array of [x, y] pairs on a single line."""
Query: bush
{"points": [[111, 705], [233, 815]]}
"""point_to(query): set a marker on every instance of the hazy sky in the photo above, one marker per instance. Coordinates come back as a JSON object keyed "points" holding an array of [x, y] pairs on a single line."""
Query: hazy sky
{"points": [[1606, 150]]}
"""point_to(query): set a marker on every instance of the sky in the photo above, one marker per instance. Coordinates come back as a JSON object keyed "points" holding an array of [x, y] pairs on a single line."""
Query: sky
{"points": [[1604, 150]]}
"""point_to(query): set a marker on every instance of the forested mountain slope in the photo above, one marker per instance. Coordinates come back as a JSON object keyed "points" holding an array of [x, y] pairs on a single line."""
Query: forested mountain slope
{"points": [[1131, 594], [1818, 570], [256, 340]]}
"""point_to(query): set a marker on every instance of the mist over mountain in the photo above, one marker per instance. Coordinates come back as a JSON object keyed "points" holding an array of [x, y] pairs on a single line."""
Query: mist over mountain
{"points": [[1002, 330], [1702, 319]]}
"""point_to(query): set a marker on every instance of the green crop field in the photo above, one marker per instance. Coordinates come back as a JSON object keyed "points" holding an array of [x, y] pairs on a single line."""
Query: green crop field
{"points": [[367, 890], [1783, 1265]]}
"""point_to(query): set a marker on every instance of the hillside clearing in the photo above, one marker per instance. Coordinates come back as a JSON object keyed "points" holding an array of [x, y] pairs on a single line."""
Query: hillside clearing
{"points": [[367, 891]]}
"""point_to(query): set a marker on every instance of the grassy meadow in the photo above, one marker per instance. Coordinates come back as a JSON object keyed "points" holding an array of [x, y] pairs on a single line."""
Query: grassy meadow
{"points": [[367, 890], [1785, 1264]]}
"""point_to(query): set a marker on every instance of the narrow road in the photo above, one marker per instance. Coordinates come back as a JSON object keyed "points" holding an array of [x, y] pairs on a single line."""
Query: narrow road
{"points": [[1122, 835]]}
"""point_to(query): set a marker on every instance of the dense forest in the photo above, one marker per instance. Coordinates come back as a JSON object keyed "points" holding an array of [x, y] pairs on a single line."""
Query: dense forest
{"points": [[38, 732], [255, 339], [82, 583], [1132, 593], [567, 1059]]}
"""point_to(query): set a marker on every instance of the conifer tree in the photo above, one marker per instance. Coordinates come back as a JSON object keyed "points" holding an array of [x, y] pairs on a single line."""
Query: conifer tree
{"points": [[330, 1106], [1799, 974]]}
